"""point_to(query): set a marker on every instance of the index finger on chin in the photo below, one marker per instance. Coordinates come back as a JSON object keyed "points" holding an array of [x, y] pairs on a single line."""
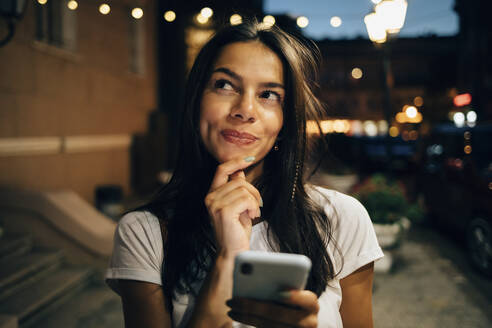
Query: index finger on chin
{"points": [[228, 168]]}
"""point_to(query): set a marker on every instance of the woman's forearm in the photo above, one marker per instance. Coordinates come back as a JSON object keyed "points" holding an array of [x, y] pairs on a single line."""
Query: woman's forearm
{"points": [[210, 308]]}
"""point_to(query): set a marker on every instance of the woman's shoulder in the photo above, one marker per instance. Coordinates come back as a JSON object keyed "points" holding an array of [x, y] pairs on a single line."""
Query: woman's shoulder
{"points": [[142, 218], [139, 226], [335, 203]]}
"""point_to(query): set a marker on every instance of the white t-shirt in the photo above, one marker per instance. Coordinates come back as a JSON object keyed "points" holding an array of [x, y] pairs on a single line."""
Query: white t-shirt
{"points": [[138, 252]]}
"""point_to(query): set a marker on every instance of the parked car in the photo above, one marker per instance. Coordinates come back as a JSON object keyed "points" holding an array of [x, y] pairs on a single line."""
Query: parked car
{"points": [[456, 182]]}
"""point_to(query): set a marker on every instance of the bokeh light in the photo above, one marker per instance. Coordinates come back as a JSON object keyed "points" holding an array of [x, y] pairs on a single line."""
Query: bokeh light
{"points": [[137, 13], [206, 12], [72, 5], [236, 19], [104, 9], [42, 2], [356, 73], [269, 20], [471, 116], [459, 119], [393, 131], [302, 21], [418, 101], [169, 16], [335, 21], [411, 111], [201, 19]]}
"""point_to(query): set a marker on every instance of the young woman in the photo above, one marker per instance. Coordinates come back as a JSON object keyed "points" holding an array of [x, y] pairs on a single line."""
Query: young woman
{"points": [[239, 185]]}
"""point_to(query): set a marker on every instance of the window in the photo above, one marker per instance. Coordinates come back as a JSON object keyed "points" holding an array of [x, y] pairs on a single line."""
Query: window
{"points": [[56, 24]]}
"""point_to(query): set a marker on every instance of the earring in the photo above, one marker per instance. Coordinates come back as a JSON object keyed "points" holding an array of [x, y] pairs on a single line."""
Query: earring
{"points": [[295, 182], [275, 147]]}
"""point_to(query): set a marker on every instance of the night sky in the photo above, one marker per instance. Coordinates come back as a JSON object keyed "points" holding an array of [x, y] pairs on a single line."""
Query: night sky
{"points": [[424, 17]]}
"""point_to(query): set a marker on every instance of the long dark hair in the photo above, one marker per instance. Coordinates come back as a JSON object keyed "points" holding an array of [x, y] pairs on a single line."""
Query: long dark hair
{"points": [[295, 223]]}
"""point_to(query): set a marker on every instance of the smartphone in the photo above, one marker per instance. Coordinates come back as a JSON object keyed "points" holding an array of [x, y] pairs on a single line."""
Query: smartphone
{"points": [[262, 275]]}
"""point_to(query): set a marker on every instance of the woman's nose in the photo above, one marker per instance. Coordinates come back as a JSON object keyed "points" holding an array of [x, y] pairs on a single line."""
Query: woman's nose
{"points": [[245, 108]]}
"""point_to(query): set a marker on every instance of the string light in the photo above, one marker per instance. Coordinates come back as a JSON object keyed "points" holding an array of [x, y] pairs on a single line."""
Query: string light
{"points": [[356, 73], [137, 13], [269, 20], [206, 12], [104, 9], [236, 19], [335, 21], [72, 5], [170, 16], [201, 19], [42, 2], [302, 21]]}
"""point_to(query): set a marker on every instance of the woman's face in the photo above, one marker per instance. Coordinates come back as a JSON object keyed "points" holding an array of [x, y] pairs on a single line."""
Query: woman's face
{"points": [[241, 107]]}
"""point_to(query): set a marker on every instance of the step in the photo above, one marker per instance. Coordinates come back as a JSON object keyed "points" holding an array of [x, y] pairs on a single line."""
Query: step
{"points": [[41, 296], [8, 321], [94, 307], [12, 246], [17, 269]]}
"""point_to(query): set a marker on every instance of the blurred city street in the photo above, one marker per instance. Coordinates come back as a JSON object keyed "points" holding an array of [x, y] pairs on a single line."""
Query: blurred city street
{"points": [[431, 285]]}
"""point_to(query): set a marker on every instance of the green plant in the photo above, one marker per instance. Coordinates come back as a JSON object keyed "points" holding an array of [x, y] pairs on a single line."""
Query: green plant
{"points": [[385, 200]]}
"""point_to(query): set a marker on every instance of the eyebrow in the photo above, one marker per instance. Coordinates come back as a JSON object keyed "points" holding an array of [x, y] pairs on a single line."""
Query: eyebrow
{"points": [[238, 77]]}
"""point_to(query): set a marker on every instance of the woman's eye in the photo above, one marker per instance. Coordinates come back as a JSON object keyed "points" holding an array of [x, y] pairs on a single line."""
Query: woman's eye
{"points": [[271, 95], [224, 85]]}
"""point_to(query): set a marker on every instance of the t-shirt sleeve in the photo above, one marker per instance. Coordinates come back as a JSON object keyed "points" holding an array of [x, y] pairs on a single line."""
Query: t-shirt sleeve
{"points": [[137, 250], [353, 233]]}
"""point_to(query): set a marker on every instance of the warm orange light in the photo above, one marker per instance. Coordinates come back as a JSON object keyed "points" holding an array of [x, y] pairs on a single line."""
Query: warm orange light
{"points": [[462, 100], [326, 126], [356, 73], [169, 16], [312, 128], [468, 149], [235, 19], [401, 117], [418, 101], [393, 131], [104, 9]]}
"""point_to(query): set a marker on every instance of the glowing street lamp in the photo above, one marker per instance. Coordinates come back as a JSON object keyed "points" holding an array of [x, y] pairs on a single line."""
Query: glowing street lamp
{"points": [[386, 21], [392, 13], [388, 18], [375, 28]]}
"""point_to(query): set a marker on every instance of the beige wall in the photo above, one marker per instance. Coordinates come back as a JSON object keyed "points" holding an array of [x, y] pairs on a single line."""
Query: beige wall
{"points": [[49, 92]]}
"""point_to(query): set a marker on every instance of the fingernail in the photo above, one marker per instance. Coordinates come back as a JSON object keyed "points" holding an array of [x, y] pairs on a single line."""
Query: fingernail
{"points": [[249, 159], [261, 202], [283, 295]]}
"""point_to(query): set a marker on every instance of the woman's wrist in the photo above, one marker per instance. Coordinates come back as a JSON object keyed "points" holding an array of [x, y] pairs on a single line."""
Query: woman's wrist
{"points": [[211, 310]]}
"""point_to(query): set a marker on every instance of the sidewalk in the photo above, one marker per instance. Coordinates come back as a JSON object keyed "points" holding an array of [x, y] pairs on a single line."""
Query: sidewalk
{"points": [[430, 286]]}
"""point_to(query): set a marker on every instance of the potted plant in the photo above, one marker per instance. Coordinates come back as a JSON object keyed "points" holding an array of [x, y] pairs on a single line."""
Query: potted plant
{"points": [[390, 212]]}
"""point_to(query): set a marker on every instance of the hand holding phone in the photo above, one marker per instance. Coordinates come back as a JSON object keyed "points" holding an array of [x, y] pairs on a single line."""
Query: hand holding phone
{"points": [[259, 297], [263, 275]]}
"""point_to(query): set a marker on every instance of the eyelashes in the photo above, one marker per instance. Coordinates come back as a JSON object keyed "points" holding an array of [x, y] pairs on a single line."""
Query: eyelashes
{"points": [[226, 86], [223, 84]]}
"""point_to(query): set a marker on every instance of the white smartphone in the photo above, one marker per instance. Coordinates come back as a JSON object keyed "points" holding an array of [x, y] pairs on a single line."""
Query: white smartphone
{"points": [[262, 275]]}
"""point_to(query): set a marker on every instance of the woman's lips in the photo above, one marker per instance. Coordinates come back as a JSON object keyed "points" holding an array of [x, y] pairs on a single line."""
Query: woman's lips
{"points": [[238, 138]]}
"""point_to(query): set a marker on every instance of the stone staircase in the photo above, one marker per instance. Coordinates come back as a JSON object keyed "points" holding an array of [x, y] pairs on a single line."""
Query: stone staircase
{"points": [[38, 288]]}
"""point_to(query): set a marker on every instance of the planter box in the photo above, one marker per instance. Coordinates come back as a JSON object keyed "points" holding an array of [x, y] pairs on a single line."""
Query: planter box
{"points": [[390, 237]]}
